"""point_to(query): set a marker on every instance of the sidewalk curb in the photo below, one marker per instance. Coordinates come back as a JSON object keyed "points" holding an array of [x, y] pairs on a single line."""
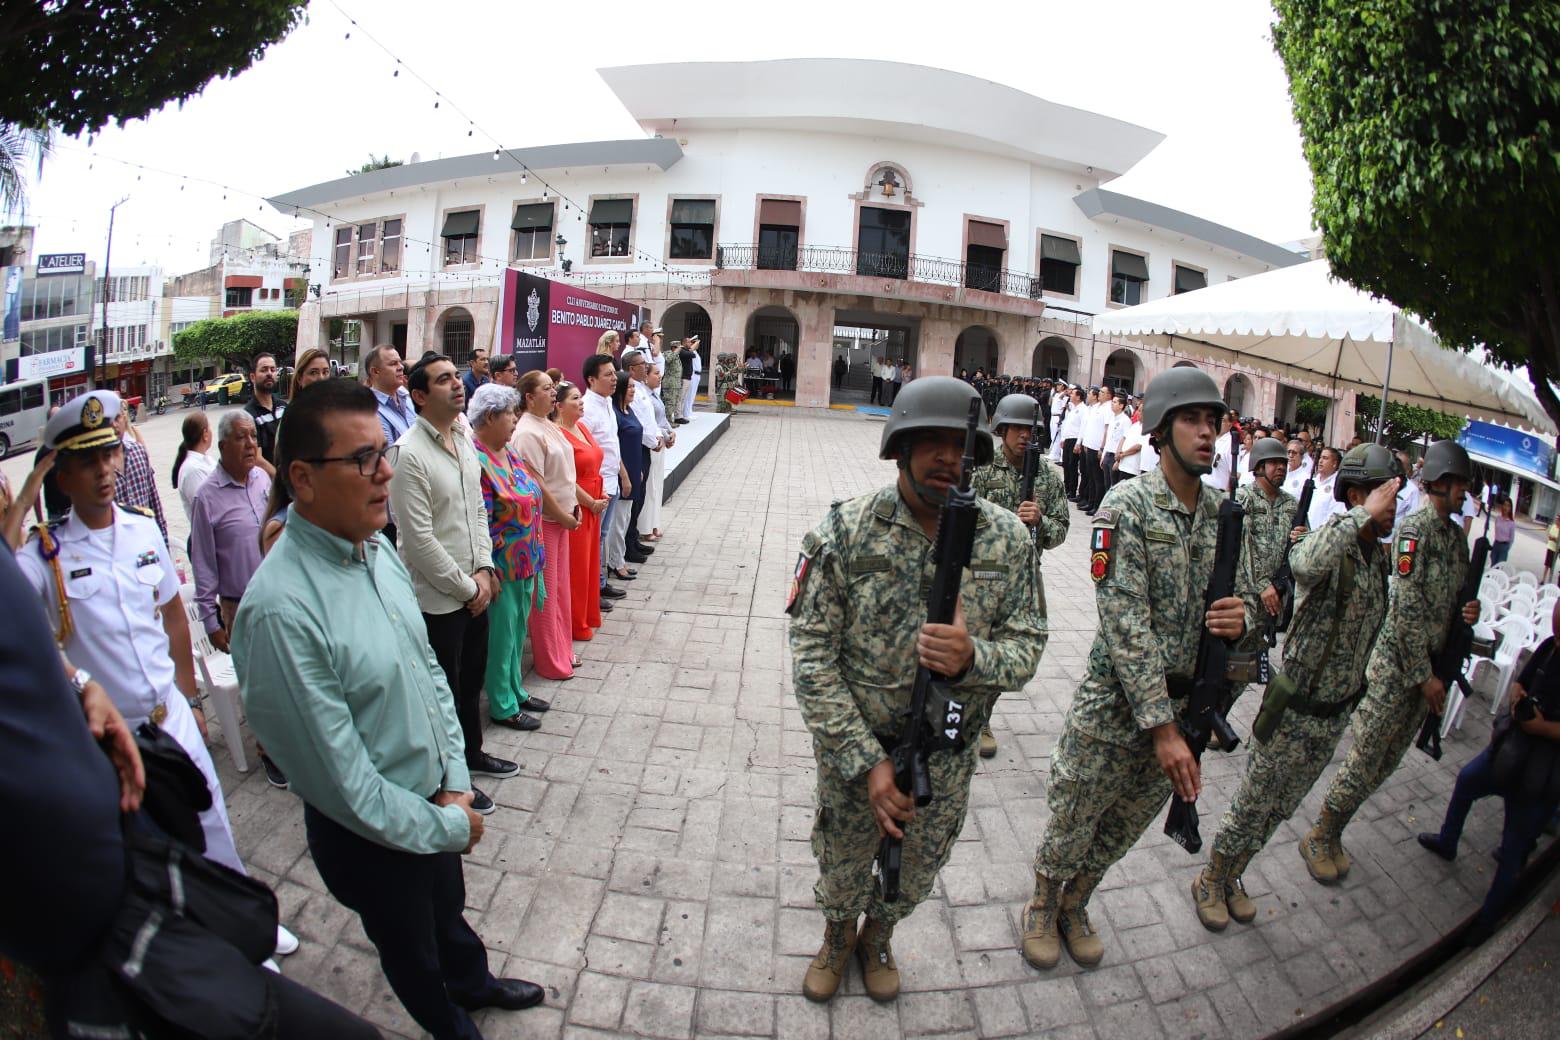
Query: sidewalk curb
{"points": [[1416, 1011]]}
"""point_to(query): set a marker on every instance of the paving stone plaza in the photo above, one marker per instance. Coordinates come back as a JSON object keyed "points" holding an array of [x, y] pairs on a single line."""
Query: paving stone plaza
{"points": [[651, 865]]}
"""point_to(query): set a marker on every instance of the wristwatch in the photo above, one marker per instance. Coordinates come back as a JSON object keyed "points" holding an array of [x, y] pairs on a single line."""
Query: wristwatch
{"points": [[79, 680], [195, 704]]}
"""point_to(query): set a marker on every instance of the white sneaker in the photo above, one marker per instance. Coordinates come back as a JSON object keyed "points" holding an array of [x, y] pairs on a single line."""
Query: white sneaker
{"points": [[286, 942], [270, 964]]}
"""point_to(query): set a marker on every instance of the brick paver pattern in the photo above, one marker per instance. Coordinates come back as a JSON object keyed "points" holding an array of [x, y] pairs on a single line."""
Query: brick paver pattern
{"points": [[651, 866]]}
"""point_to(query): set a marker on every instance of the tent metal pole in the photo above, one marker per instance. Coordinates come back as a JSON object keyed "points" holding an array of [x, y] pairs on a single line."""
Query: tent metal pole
{"points": [[1381, 416]]}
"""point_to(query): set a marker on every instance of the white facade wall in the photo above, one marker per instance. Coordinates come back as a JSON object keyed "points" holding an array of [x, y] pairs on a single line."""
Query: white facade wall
{"points": [[134, 318]]}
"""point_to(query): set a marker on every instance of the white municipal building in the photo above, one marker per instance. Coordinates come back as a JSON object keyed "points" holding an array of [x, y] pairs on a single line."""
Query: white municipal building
{"points": [[819, 207]]}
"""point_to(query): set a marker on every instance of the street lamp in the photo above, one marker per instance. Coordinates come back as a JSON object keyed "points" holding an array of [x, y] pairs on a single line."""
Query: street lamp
{"points": [[565, 262]]}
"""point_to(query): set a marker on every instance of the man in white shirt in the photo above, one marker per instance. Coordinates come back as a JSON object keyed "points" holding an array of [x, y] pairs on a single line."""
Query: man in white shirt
{"points": [[1072, 424], [1219, 479], [1296, 478], [1129, 459], [600, 380], [690, 388], [1091, 442], [1059, 401], [1472, 508], [1120, 421], [1324, 500], [1307, 462]]}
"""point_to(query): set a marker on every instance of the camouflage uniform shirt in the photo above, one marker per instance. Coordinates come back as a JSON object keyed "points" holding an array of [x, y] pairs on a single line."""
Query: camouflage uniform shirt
{"points": [[999, 481], [858, 604], [1315, 562], [1152, 558], [1429, 562], [1265, 532]]}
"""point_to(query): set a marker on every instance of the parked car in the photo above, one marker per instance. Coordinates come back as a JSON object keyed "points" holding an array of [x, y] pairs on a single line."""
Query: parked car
{"points": [[230, 388]]}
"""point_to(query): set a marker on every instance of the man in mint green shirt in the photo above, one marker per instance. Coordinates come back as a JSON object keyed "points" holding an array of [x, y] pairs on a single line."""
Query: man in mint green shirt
{"points": [[343, 690]]}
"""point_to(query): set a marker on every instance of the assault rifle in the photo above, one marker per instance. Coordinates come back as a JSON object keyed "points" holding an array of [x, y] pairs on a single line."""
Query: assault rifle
{"points": [[1032, 455], [1447, 665], [951, 554], [1283, 578], [1210, 685]]}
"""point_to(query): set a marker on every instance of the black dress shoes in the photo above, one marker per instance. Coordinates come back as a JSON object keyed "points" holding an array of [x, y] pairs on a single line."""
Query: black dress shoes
{"points": [[535, 704], [608, 592], [482, 764], [636, 557], [605, 608], [519, 720], [1432, 843], [508, 994]]}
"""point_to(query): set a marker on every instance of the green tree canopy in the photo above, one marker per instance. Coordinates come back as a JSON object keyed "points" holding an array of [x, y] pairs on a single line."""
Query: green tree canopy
{"points": [[382, 163], [241, 336], [1430, 127], [1406, 423], [81, 64]]}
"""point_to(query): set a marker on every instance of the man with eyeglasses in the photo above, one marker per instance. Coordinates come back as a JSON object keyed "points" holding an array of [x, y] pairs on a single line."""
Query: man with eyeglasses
{"points": [[1294, 482], [442, 534], [341, 685]]}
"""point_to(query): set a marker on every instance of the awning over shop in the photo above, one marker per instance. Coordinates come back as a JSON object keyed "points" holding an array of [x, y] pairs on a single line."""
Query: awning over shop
{"points": [[529, 215], [1505, 467], [612, 211], [780, 212], [691, 211], [992, 236], [462, 224], [1189, 279]]}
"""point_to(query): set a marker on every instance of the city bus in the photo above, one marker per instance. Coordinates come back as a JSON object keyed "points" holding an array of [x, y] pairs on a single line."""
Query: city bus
{"points": [[23, 412]]}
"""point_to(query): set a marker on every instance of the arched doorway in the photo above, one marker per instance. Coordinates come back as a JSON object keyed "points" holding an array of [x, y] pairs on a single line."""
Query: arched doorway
{"points": [[457, 334], [1052, 358], [975, 348], [1185, 364], [682, 320], [773, 335], [1124, 371], [1240, 395]]}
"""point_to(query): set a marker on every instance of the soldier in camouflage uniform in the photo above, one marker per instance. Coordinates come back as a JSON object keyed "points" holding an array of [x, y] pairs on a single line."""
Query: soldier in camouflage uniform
{"points": [[1430, 560], [1122, 751], [1269, 524], [858, 631], [727, 375], [671, 379], [1001, 481], [1340, 574]]}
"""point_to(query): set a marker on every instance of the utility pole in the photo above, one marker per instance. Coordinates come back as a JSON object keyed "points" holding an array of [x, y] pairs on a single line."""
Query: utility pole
{"points": [[108, 252]]}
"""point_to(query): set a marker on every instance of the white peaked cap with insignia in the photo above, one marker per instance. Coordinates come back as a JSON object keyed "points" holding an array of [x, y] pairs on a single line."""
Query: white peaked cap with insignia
{"points": [[84, 422]]}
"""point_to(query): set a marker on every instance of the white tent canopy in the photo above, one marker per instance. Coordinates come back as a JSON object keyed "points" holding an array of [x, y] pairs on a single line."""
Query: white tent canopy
{"points": [[1302, 324]]}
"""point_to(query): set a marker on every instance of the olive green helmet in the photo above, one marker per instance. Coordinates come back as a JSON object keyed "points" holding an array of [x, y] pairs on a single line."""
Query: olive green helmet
{"points": [[934, 403], [1365, 466], [1446, 459], [1268, 449], [1018, 409], [1178, 388]]}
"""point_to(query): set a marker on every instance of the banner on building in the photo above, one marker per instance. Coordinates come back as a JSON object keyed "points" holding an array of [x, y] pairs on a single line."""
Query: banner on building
{"points": [[54, 363], [11, 305], [550, 324], [1523, 453]]}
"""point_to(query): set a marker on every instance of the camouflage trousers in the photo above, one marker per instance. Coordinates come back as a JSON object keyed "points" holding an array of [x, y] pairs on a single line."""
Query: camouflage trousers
{"points": [[1102, 798], [1384, 726], [671, 389], [845, 840], [1278, 776]]}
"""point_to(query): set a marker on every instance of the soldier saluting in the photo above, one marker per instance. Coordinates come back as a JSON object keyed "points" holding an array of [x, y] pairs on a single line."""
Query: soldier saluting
{"points": [[1340, 574], [858, 632], [1429, 564], [1122, 751], [1001, 481]]}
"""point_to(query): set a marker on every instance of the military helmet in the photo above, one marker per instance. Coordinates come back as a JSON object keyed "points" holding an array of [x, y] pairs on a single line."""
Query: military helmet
{"points": [[1446, 459], [1019, 409], [934, 403], [1267, 449], [1178, 388], [1365, 466]]}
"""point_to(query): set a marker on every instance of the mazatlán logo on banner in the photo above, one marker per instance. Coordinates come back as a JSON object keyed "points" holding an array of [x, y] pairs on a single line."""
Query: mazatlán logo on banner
{"points": [[533, 310]]}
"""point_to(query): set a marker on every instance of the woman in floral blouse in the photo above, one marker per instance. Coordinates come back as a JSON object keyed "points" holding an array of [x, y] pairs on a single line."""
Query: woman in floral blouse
{"points": [[514, 509]]}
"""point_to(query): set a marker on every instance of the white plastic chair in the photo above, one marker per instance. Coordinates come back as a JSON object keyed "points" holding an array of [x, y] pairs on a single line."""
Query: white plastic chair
{"points": [[1529, 579], [1504, 567], [217, 679], [1519, 602], [1516, 635]]}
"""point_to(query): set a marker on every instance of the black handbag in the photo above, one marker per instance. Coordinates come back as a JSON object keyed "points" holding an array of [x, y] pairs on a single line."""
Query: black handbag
{"points": [[1525, 768], [176, 791]]}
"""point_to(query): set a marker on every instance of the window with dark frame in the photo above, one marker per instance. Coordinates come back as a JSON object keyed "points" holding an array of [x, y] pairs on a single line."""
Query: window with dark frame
{"points": [[693, 229], [883, 243], [779, 234], [1128, 272], [460, 237], [533, 226], [1187, 279], [390, 247], [611, 222], [238, 296], [367, 239], [983, 255], [1060, 259], [342, 266]]}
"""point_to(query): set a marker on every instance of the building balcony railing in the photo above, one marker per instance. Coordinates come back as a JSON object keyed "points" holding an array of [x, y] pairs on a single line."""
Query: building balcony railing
{"points": [[905, 266]]}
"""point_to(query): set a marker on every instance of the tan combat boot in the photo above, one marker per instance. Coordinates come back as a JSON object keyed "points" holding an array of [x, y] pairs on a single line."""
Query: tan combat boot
{"points": [[1334, 823], [1084, 946], [827, 970], [1042, 941], [1316, 850], [878, 970], [1240, 905], [1208, 894], [988, 743]]}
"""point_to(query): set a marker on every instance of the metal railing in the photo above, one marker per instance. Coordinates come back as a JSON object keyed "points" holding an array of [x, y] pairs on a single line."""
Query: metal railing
{"points": [[905, 266]]}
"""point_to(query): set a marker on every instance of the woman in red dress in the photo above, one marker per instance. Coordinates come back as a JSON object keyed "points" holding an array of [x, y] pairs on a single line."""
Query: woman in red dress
{"points": [[584, 540]]}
